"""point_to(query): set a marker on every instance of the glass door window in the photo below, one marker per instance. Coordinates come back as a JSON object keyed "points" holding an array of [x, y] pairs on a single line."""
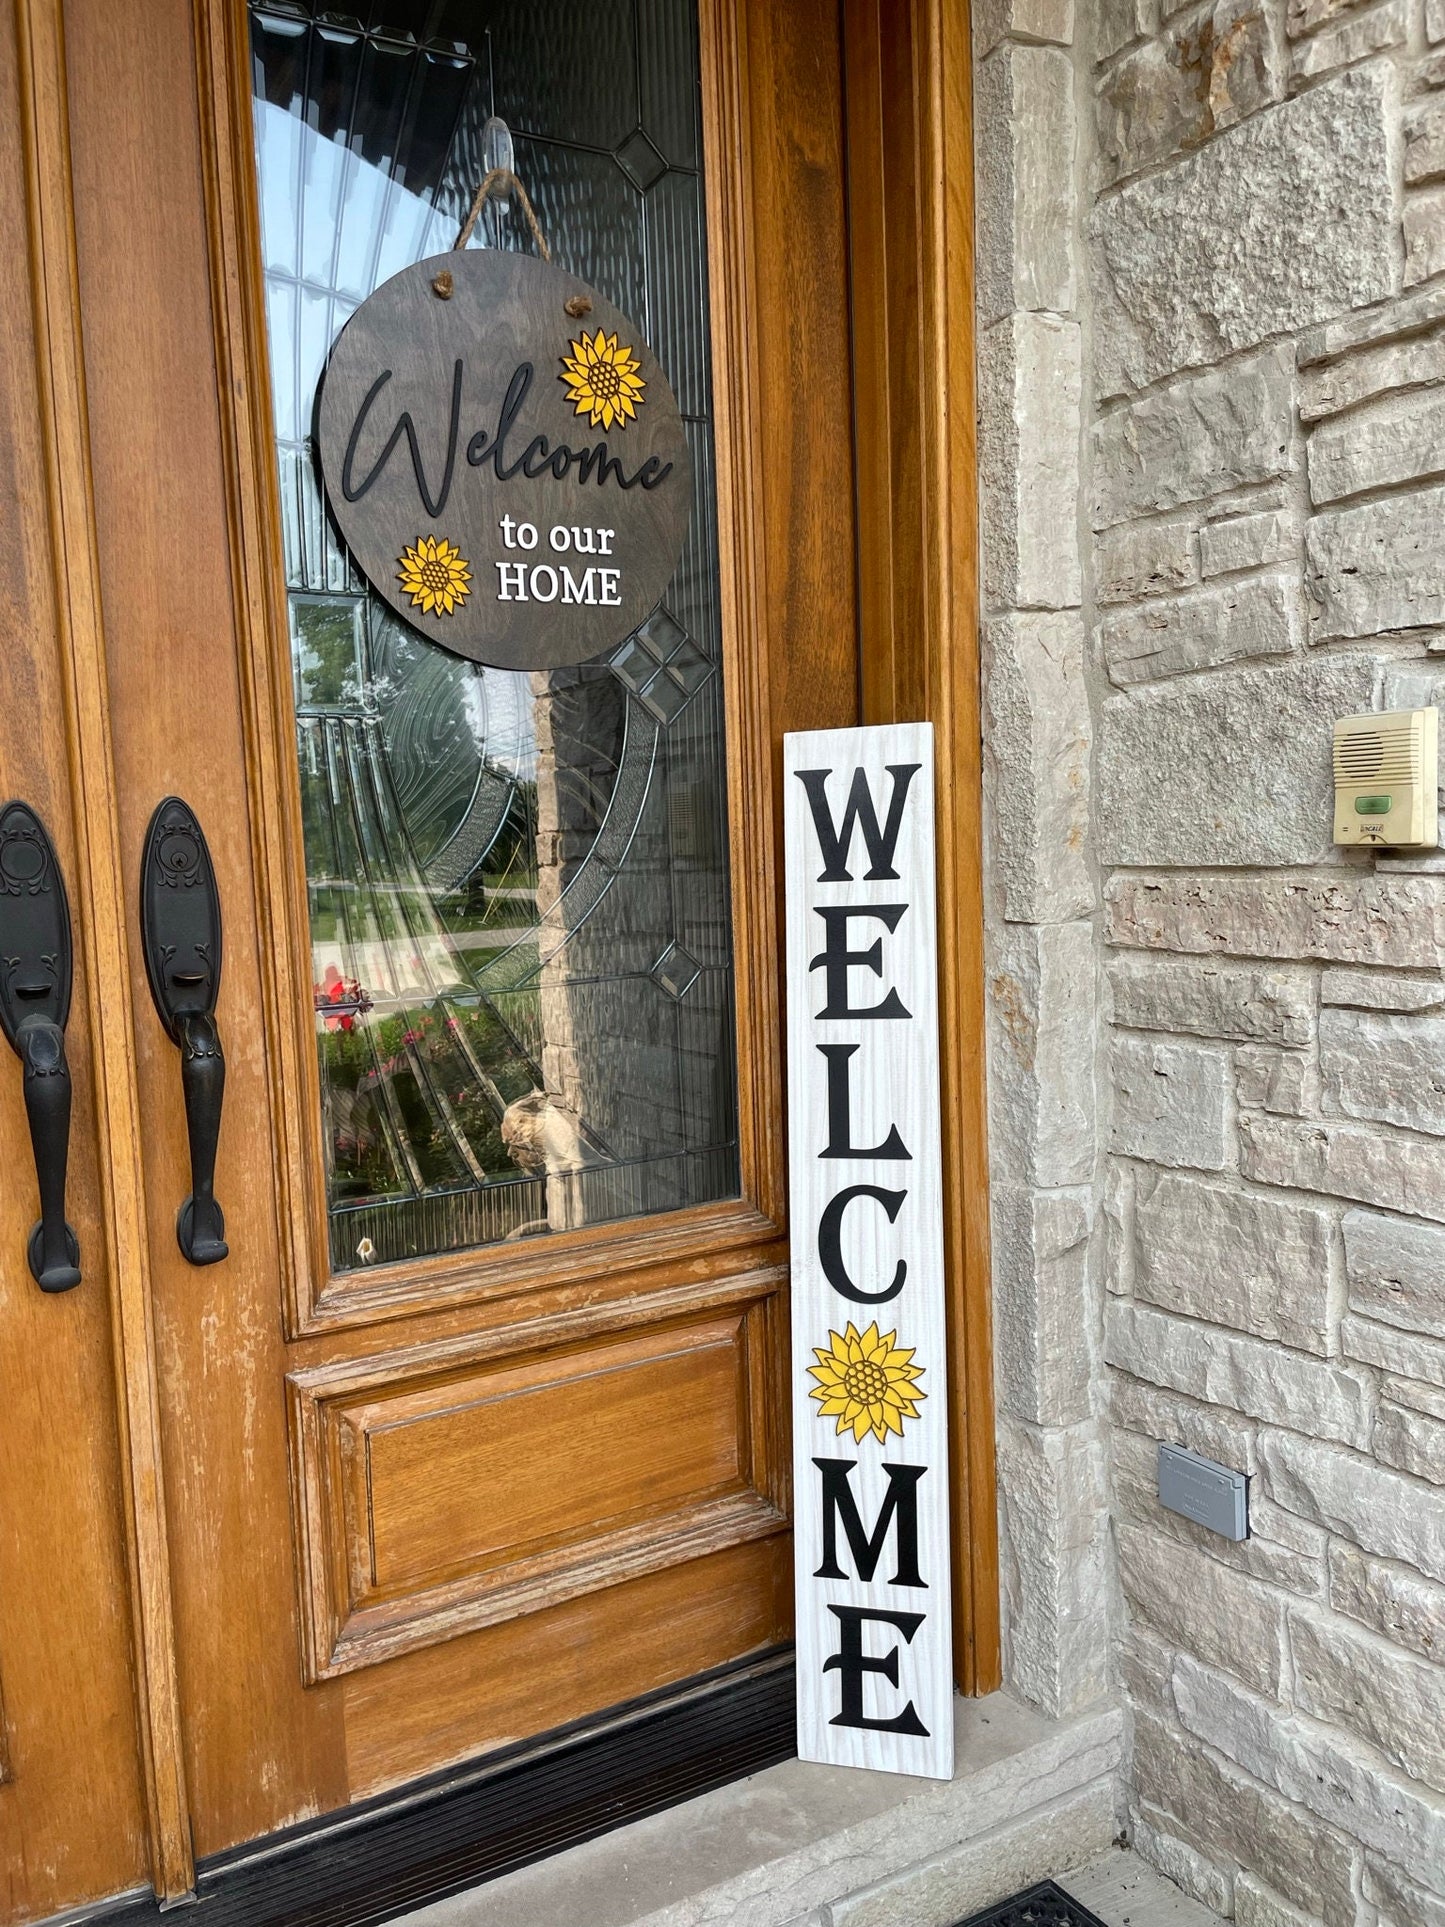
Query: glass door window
{"points": [[517, 883]]}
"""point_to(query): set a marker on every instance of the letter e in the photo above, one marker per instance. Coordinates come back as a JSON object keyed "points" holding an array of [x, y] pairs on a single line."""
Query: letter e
{"points": [[851, 1663]]}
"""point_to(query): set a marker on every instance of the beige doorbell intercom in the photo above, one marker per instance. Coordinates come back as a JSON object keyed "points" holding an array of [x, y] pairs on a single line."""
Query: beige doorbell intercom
{"points": [[1386, 778]]}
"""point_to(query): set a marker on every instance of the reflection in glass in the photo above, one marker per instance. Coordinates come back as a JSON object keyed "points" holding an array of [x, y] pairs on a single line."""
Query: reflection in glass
{"points": [[518, 883]]}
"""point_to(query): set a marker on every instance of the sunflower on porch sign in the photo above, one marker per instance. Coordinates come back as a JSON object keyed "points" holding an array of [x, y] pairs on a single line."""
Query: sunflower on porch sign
{"points": [[603, 379], [435, 574], [866, 1382]]}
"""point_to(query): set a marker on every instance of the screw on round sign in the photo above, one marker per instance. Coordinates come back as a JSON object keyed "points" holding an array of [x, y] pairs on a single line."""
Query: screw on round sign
{"points": [[514, 482]]}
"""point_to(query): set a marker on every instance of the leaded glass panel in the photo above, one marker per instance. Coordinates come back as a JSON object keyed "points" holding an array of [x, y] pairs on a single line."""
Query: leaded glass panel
{"points": [[518, 883]]}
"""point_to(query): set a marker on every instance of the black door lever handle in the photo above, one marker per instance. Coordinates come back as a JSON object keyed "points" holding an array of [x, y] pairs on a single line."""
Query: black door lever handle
{"points": [[180, 919], [35, 974], [53, 1251], [200, 1229]]}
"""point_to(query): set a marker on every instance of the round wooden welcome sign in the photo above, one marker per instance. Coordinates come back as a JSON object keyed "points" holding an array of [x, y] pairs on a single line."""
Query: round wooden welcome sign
{"points": [[505, 459]]}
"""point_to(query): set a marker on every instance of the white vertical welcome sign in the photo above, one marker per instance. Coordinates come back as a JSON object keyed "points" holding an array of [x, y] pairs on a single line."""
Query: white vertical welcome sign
{"points": [[870, 1427]]}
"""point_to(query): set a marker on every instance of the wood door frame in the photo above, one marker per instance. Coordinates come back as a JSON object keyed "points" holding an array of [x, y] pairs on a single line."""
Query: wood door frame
{"points": [[909, 102]]}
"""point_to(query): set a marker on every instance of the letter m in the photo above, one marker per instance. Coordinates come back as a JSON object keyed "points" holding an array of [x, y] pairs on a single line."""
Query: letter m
{"points": [[901, 1505], [859, 811]]}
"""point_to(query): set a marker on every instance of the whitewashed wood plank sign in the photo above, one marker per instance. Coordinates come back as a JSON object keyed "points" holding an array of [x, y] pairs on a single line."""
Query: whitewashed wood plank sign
{"points": [[870, 1427]]}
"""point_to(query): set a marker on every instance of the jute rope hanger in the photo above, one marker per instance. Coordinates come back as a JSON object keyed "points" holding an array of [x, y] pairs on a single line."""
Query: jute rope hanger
{"points": [[509, 183], [503, 180]]}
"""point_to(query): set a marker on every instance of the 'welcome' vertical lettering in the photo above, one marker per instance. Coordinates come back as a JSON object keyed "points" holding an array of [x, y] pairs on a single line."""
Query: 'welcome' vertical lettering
{"points": [[870, 1429]]}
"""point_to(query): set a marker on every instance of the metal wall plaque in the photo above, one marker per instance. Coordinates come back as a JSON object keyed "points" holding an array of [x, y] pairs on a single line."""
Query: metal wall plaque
{"points": [[870, 1429], [504, 459]]}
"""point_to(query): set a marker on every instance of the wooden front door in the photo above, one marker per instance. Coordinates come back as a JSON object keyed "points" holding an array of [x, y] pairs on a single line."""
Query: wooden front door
{"points": [[480, 1426]]}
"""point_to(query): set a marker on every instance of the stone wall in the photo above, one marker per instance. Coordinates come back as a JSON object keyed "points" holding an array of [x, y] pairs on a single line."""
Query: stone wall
{"points": [[1223, 227], [1041, 884]]}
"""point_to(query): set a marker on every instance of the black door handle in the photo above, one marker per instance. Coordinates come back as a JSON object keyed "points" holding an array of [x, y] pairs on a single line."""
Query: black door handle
{"points": [[35, 972], [180, 920]]}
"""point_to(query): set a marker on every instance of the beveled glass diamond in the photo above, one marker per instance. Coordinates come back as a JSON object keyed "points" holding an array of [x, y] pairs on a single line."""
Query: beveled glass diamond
{"points": [[662, 634], [676, 971], [633, 665], [664, 697], [689, 666], [640, 160]]}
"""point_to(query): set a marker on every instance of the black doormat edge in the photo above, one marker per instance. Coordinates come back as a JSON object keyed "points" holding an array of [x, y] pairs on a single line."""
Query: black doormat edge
{"points": [[1046, 1905]]}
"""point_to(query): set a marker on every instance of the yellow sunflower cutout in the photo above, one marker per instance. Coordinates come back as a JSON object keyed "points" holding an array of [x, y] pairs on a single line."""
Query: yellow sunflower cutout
{"points": [[436, 575], [603, 380], [866, 1383]]}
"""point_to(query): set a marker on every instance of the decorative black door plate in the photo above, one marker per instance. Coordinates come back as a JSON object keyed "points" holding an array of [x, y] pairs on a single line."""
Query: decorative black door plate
{"points": [[180, 918], [35, 973]]}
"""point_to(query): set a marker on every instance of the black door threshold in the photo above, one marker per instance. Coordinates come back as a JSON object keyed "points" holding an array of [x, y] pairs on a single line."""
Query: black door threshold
{"points": [[386, 1856]]}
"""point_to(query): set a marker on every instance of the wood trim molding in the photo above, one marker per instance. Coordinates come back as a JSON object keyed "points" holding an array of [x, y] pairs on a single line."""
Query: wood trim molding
{"points": [[223, 75], [732, 290], [335, 1410], [102, 920], [315, 1299], [910, 159]]}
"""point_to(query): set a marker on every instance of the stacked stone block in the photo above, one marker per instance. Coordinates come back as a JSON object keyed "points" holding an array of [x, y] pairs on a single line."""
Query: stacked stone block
{"points": [[1041, 883], [1264, 474]]}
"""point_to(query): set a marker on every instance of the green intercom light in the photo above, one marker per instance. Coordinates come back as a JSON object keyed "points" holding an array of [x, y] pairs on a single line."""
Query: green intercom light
{"points": [[1372, 806]]}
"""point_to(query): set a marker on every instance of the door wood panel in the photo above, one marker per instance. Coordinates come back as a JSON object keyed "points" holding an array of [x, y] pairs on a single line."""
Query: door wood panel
{"points": [[467, 1696], [453, 1486]]}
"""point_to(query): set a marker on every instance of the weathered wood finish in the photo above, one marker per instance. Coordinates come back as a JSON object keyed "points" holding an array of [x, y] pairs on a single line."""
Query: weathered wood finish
{"points": [[190, 1430], [251, 1757], [81, 736], [910, 223], [610, 1442], [261, 1748], [65, 1576], [181, 445]]}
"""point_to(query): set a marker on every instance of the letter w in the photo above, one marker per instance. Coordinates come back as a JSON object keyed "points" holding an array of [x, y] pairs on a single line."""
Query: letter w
{"points": [[837, 844], [867, 1548]]}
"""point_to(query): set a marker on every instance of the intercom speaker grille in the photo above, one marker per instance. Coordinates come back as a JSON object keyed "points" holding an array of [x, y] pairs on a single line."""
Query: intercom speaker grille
{"points": [[1383, 751]]}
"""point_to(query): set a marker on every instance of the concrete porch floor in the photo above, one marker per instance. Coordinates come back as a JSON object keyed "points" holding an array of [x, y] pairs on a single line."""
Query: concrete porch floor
{"points": [[810, 1846], [1124, 1892]]}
